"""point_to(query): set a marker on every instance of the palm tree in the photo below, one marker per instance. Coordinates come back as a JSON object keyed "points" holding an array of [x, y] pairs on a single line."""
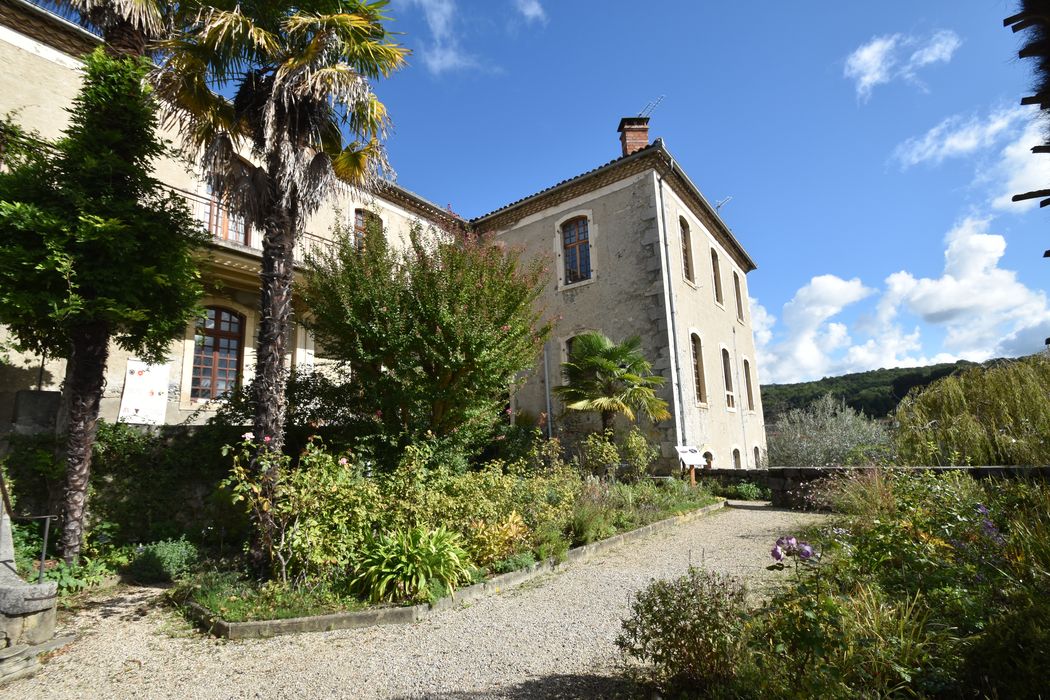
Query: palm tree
{"points": [[608, 378], [299, 74], [127, 26], [303, 106]]}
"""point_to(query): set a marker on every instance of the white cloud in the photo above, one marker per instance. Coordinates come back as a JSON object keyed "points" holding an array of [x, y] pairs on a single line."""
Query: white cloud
{"points": [[940, 49], [1019, 170], [531, 10], [982, 310], [958, 136], [443, 53], [886, 58]]}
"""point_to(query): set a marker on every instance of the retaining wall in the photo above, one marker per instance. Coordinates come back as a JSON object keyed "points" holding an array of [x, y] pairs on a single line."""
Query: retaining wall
{"points": [[791, 484]]}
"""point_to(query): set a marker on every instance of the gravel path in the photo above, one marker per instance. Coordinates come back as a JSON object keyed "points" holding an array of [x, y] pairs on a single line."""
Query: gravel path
{"points": [[550, 638]]}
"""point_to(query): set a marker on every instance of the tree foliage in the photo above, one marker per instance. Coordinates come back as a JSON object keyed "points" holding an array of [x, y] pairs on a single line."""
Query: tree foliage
{"points": [[89, 236], [610, 378], [431, 337], [826, 433], [999, 415]]}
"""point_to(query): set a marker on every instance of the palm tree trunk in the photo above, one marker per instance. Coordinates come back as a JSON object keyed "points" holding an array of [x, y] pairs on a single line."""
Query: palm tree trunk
{"points": [[86, 377], [270, 375], [607, 418], [124, 39], [275, 318]]}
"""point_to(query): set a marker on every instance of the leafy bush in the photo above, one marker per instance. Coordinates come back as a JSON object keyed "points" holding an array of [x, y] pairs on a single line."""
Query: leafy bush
{"points": [[491, 542], [745, 491], [600, 452], [638, 453], [1008, 659], [687, 631], [402, 566], [997, 415], [77, 577], [827, 433], [323, 510], [164, 561]]}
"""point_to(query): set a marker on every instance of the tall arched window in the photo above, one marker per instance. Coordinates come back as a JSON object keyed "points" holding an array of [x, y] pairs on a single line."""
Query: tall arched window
{"points": [[698, 369], [217, 351], [727, 373], [747, 386], [739, 297], [758, 458], [687, 249], [363, 220], [717, 273], [736, 458], [576, 249]]}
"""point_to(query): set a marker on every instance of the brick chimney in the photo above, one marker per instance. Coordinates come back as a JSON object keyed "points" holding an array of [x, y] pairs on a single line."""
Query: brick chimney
{"points": [[634, 134]]}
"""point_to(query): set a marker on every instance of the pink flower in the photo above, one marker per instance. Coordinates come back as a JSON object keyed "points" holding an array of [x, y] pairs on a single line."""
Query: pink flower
{"points": [[379, 414], [248, 435], [267, 439], [343, 461], [504, 328]]}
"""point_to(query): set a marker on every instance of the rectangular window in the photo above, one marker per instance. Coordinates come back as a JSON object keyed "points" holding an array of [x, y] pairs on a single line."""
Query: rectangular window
{"points": [[223, 225], [739, 297], [747, 386], [716, 272], [217, 354], [687, 250], [727, 373], [576, 250], [698, 369]]}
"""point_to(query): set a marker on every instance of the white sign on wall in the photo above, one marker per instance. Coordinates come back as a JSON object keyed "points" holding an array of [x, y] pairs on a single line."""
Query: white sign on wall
{"points": [[145, 397]]}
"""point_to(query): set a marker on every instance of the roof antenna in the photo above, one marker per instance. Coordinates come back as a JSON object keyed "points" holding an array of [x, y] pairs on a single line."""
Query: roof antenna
{"points": [[720, 203], [651, 107]]}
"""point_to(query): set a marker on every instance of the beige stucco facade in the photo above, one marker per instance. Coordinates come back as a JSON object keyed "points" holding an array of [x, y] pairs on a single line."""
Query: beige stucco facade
{"points": [[634, 208]]}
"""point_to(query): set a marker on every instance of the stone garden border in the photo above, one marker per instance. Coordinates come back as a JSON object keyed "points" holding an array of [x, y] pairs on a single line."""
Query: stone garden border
{"points": [[263, 629]]}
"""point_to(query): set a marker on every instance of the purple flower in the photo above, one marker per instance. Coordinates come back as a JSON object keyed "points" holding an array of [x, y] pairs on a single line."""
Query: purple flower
{"points": [[777, 553], [982, 509], [792, 543], [782, 542], [805, 551]]}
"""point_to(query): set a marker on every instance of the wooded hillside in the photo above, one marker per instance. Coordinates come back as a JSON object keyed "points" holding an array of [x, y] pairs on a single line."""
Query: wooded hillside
{"points": [[875, 393]]}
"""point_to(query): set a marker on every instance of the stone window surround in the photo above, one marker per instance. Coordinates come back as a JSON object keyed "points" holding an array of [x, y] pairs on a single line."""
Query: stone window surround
{"points": [[559, 252], [746, 366], [247, 370]]}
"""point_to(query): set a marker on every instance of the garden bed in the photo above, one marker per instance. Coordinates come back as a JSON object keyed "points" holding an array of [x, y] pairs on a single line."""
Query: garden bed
{"points": [[212, 623]]}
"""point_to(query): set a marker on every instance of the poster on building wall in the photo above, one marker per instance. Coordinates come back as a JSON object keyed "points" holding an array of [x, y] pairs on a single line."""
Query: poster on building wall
{"points": [[145, 397]]}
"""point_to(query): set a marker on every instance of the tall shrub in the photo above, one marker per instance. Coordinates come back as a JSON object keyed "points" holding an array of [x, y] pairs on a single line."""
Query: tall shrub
{"points": [[94, 250], [434, 336], [999, 415]]}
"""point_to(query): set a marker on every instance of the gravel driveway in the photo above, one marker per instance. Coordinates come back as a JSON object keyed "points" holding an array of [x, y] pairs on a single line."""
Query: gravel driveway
{"points": [[550, 638]]}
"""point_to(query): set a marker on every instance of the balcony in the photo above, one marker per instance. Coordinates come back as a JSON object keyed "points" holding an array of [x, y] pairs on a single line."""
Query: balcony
{"points": [[228, 230]]}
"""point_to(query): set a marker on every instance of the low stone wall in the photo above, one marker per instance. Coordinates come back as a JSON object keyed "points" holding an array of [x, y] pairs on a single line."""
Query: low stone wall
{"points": [[791, 484]]}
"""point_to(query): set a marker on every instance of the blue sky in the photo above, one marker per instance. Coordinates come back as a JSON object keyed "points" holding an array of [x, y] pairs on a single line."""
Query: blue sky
{"points": [[870, 150]]}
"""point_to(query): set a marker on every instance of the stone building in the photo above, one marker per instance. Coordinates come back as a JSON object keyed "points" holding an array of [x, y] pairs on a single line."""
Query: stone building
{"points": [[637, 250]]}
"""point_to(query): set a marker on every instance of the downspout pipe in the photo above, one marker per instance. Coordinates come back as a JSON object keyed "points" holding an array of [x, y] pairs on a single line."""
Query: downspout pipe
{"points": [[672, 326], [547, 392]]}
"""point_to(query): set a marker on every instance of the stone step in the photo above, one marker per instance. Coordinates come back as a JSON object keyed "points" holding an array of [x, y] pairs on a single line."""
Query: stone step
{"points": [[9, 652]]}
